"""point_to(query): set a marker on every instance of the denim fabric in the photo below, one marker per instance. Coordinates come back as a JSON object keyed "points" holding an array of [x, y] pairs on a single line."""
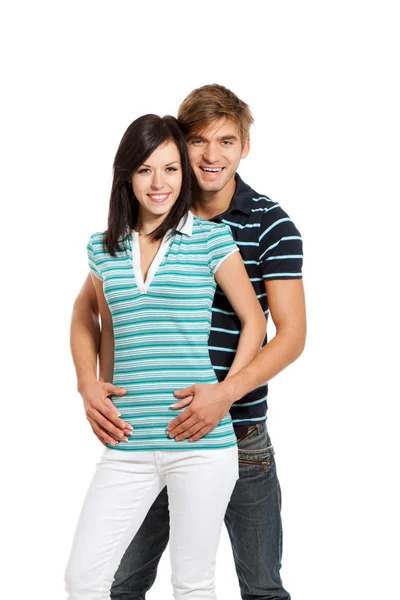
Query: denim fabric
{"points": [[252, 519]]}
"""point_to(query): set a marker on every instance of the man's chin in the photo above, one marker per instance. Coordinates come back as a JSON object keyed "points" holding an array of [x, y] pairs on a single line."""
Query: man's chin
{"points": [[211, 186]]}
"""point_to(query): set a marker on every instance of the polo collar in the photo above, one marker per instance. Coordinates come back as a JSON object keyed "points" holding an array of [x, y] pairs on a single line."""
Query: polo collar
{"points": [[241, 197], [185, 225]]}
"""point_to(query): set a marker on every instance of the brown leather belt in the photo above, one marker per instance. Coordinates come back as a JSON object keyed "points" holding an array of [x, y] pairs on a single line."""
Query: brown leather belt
{"points": [[242, 431]]}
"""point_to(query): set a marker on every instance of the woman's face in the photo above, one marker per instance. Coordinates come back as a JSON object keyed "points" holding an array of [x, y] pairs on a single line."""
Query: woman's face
{"points": [[157, 183]]}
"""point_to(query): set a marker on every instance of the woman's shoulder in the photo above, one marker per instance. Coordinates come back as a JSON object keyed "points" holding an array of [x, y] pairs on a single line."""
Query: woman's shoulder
{"points": [[208, 227], [96, 240]]}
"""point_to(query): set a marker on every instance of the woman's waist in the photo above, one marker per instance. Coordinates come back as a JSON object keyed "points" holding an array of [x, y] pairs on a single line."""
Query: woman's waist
{"points": [[164, 379]]}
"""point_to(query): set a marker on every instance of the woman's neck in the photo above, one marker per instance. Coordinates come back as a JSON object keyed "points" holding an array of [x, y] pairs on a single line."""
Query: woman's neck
{"points": [[146, 225]]}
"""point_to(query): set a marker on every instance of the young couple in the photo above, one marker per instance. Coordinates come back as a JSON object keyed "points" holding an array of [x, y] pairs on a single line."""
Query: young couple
{"points": [[172, 343]]}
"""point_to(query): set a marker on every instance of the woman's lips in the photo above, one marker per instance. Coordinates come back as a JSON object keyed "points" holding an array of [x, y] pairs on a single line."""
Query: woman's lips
{"points": [[159, 198]]}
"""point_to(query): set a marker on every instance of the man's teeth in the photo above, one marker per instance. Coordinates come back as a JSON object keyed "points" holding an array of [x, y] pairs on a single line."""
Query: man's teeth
{"points": [[211, 170]]}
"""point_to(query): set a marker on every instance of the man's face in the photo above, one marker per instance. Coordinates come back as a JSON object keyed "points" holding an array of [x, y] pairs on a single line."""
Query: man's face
{"points": [[215, 154]]}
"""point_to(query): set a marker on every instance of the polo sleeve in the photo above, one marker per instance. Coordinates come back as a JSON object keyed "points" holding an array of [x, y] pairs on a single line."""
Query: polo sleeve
{"points": [[220, 245], [93, 258], [280, 246]]}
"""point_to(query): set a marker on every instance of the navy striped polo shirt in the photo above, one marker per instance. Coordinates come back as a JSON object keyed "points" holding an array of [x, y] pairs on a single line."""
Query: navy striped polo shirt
{"points": [[271, 248]]}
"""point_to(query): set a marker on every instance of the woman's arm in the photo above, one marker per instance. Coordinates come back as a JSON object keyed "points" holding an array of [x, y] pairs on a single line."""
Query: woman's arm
{"points": [[85, 343], [85, 334], [106, 349], [232, 277]]}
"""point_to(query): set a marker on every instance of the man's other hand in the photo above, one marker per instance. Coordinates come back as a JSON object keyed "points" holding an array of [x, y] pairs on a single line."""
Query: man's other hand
{"points": [[206, 406]]}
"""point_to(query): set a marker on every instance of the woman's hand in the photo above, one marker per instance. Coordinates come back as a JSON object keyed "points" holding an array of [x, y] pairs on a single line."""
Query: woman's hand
{"points": [[101, 413]]}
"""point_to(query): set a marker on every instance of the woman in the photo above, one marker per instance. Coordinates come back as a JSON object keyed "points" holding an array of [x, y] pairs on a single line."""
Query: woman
{"points": [[155, 271]]}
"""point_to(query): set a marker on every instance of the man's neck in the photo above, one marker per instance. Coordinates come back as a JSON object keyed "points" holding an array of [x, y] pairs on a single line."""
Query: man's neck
{"points": [[210, 204]]}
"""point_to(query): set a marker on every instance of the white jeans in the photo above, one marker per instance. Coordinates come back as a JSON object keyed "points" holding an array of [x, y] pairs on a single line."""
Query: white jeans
{"points": [[124, 486]]}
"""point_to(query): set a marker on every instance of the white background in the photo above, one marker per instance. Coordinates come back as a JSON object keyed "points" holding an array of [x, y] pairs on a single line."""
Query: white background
{"points": [[322, 81]]}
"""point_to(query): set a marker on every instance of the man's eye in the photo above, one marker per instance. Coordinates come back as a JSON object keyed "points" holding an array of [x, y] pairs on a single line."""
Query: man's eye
{"points": [[227, 143], [197, 142]]}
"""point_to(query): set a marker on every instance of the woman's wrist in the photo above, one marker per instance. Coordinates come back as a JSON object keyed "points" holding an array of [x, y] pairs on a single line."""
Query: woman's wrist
{"points": [[85, 381]]}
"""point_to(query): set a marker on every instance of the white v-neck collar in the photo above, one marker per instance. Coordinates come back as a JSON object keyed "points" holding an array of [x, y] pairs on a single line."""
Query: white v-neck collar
{"points": [[185, 226]]}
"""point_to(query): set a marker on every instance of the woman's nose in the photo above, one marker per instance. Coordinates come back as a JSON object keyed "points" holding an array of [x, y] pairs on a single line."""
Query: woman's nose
{"points": [[158, 181]]}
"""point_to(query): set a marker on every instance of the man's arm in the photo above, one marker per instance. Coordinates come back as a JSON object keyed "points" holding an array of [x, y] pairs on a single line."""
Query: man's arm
{"points": [[287, 310], [85, 342]]}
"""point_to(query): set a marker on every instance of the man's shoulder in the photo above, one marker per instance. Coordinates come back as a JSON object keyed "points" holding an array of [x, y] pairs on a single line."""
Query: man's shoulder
{"points": [[257, 217], [253, 203], [263, 208]]}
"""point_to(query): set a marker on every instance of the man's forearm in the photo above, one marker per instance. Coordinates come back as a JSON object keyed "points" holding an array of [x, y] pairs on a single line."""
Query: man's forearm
{"points": [[280, 352]]}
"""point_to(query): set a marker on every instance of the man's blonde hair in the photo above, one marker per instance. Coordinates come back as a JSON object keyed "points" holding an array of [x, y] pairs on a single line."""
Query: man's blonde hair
{"points": [[209, 103]]}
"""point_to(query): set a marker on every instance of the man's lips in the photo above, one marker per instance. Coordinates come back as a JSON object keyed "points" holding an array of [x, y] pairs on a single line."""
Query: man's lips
{"points": [[211, 170], [159, 198], [211, 173]]}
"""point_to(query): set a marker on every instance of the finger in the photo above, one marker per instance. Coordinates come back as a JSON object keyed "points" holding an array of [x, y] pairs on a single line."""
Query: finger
{"points": [[101, 434], [184, 427], [115, 412], [110, 415], [98, 430], [115, 390], [200, 433], [182, 403], [189, 432], [189, 391], [106, 424], [184, 416]]}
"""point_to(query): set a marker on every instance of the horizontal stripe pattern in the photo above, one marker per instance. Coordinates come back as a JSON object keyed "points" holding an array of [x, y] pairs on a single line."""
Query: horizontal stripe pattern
{"points": [[271, 248], [161, 336]]}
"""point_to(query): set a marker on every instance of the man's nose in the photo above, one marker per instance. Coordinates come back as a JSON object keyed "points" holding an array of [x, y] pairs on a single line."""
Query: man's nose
{"points": [[211, 154]]}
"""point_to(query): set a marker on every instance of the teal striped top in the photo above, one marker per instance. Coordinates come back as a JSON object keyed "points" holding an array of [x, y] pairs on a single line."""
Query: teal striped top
{"points": [[161, 327]]}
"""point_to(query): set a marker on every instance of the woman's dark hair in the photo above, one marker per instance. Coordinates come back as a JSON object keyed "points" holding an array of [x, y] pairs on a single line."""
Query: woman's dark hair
{"points": [[140, 140]]}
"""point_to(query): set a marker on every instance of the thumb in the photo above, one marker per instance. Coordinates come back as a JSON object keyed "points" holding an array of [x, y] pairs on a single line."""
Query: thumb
{"points": [[189, 391], [182, 403], [115, 390]]}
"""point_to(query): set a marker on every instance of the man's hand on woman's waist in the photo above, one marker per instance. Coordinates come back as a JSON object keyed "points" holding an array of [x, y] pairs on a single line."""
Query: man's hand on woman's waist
{"points": [[207, 404]]}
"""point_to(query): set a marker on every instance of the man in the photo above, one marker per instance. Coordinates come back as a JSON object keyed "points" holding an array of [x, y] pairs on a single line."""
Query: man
{"points": [[216, 123]]}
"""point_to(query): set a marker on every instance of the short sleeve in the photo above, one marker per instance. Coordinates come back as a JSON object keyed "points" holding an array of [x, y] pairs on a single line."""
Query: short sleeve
{"points": [[281, 246], [220, 246], [92, 259]]}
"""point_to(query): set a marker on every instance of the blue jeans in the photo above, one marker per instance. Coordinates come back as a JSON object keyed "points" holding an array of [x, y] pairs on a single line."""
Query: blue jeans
{"points": [[253, 521]]}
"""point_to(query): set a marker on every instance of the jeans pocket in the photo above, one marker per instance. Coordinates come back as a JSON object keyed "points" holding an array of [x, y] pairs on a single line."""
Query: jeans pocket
{"points": [[263, 463]]}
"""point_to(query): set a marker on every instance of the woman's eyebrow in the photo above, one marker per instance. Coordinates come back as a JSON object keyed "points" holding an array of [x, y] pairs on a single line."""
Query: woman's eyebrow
{"points": [[167, 165]]}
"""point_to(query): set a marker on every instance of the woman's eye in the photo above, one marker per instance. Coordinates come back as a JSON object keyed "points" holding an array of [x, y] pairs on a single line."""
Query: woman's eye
{"points": [[171, 169], [143, 170]]}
